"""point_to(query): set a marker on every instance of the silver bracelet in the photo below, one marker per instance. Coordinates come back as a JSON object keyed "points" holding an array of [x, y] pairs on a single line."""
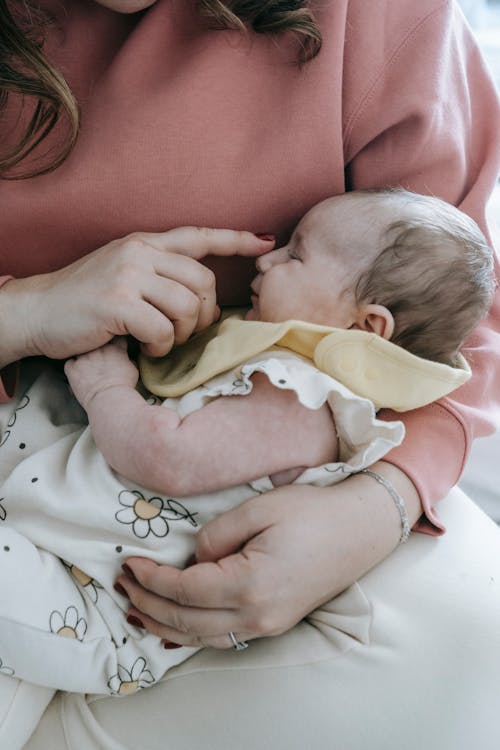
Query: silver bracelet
{"points": [[398, 502]]}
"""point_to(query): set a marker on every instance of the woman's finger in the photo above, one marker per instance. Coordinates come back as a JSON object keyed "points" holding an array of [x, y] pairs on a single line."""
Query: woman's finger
{"points": [[177, 303], [207, 585], [151, 327], [221, 639], [166, 615], [197, 242], [195, 277], [228, 533]]}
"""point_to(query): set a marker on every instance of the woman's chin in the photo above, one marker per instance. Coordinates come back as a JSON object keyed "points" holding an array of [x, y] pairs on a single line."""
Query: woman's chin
{"points": [[126, 6]]}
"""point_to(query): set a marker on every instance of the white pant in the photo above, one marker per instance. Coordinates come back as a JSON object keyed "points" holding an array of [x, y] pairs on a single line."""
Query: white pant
{"points": [[418, 668], [68, 522]]}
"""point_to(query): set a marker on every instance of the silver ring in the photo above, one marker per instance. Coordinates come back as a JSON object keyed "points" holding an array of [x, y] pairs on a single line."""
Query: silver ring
{"points": [[237, 645]]}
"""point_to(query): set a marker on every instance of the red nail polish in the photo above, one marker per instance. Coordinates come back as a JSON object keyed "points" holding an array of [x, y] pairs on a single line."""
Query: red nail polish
{"points": [[266, 237], [133, 620], [118, 587], [170, 644], [128, 572]]}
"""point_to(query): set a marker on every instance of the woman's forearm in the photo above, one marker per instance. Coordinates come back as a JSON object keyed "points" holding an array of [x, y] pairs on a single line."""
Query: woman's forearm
{"points": [[373, 523]]}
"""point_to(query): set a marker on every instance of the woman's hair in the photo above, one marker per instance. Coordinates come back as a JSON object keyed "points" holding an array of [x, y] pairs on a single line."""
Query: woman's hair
{"points": [[434, 273], [267, 17], [24, 71]]}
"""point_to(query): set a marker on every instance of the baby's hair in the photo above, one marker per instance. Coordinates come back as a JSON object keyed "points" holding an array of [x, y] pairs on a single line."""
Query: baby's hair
{"points": [[434, 273]]}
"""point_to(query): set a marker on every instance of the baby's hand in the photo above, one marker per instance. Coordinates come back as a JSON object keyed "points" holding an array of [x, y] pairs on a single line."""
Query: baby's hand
{"points": [[103, 368]]}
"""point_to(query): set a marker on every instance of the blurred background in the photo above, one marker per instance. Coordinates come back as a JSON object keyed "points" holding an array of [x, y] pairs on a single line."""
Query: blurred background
{"points": [[481, 479]]}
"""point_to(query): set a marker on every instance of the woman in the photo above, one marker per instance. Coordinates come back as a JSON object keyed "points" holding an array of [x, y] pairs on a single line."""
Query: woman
{"points": [[185, 125]]}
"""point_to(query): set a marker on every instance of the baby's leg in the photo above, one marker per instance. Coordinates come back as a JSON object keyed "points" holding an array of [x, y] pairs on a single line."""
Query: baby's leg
{"points": [[63, 624], [53, 633], [62, 515]]}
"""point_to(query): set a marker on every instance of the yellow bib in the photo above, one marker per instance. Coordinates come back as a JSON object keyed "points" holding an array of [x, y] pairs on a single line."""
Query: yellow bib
{"points": [[365, 363]]}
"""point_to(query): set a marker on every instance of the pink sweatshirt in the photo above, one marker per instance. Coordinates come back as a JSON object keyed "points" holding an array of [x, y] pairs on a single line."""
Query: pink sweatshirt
{"points": [[181, 125]]}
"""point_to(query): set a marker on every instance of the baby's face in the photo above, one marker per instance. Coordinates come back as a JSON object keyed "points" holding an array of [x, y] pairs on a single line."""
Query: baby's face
{"points": [[311, 277]]}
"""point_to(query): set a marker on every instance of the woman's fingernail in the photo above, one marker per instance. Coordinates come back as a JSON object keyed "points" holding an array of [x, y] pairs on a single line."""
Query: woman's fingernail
{"points": [[118, 587], [128, 572], [266, 237], [170, 644], [132, 620]]}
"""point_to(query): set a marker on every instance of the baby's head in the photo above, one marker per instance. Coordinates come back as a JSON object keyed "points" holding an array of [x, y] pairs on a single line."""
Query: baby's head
{"points": [[407, 267]]}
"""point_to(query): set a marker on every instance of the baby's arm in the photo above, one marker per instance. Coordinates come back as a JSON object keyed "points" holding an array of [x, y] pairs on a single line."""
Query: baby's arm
{"points": [[233, 439]]}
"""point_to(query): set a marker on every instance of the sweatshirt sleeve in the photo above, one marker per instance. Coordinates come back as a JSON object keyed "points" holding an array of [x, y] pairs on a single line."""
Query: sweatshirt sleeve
{"points": [[9, 374], [427, 117]]}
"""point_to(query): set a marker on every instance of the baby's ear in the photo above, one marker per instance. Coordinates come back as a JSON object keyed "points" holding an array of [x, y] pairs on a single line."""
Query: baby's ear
{"points": [[375, 319]]}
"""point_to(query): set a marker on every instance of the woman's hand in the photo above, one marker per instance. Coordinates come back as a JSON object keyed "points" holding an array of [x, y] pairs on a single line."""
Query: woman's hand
{"points": [[148, 285], [268, 563]]}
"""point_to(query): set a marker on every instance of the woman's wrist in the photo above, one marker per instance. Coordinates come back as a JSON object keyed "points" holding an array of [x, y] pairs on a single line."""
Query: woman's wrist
{"points": [[398, 501], [366, 522], [15, 338]]}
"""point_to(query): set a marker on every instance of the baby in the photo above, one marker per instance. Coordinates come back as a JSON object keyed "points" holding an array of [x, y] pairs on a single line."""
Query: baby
{"points": [[408, 268], [399, 280]]}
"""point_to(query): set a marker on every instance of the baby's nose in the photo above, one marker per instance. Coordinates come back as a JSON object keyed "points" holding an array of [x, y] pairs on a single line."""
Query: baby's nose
{"points": [[267, 261], [263, 263]]}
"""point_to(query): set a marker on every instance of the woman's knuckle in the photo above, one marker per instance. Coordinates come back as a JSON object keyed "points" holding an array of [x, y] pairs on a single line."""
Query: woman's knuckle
{"points": [[251, 598], [261, 622], [181, 593], [149, 578], [138, 598], [190, 306], [177, 621], [133, 242], [207, 280], [204, 546]]}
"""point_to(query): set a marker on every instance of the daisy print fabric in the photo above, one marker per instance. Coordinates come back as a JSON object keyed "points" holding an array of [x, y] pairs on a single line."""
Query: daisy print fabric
{"points": [[68, 522]]}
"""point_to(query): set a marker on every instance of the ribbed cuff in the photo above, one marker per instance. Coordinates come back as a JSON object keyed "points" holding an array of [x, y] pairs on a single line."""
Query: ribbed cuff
{"points": [[432, 455]]}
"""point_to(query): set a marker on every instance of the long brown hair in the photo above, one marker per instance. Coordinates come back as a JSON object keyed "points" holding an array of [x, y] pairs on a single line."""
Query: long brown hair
{"points": [[25, 72]]}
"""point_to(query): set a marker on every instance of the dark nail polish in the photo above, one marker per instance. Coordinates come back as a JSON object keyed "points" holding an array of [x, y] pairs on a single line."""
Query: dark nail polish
{"points": [[133, 620], [128, 572], [118, 587], [266, 237], [169, 644]]}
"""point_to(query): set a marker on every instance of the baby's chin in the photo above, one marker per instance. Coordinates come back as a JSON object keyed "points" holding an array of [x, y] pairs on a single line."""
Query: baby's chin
{"points": [[252, 314]]}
